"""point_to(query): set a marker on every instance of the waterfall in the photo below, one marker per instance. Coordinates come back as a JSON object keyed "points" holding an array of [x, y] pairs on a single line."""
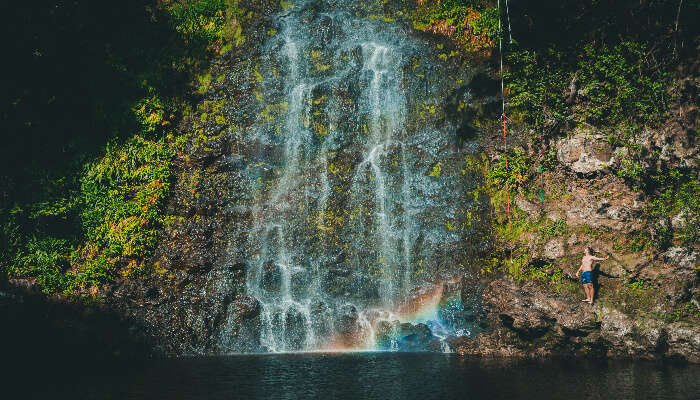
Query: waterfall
{"points": [[350, 229]]}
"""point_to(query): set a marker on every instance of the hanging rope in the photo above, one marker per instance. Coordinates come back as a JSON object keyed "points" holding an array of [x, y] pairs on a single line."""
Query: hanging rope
{"points": [[504, 118], [503, 97], [539, 161], [510, 36], [500, 52], [505, 146]]}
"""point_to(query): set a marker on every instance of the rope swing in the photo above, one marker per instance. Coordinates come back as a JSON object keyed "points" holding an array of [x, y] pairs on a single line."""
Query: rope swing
{"points": [[504, 118]]}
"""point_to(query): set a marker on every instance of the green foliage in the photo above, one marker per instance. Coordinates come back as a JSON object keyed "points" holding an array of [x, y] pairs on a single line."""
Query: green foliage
{"points": [[123, 194], [465, 21], [47, 259], [437, 168], [638, 241], [214, 23], [612, 85], [522, 269], [487, 24], [617, 83], [594, 232], [633, 171], [153, 115], [518, 269], [90, 273], [200, 20], [687, 311], [636, 297], [119, 208], [515, 169], [677, 193], [553, 229], [552, 276], [535, 82], [78, 218]]}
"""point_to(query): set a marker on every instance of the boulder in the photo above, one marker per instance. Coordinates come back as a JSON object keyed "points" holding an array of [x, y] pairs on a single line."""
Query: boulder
{"points": [[417, 337], [619, 208], [348, 326], [680, 220], [683, 342], [533, 211], [531, 314], [553, 249], [585, 152], [617, 328], [680, 258]]}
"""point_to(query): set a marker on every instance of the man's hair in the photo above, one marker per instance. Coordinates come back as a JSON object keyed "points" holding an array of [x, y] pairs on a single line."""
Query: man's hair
{"points": [[588, 250]]}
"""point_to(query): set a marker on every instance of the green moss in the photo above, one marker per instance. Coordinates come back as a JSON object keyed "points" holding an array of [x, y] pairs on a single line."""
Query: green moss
{"points": [[635, 298], [514, 169], [226, 48], [273, 111], [204, 82], [257, 75], [437, 168], [552, 229]]}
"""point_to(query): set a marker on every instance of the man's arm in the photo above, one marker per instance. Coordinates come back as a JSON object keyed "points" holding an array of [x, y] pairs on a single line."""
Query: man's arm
{"points": [[601, 259]]}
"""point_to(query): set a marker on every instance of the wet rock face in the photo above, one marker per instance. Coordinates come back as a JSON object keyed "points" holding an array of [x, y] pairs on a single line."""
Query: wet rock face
{"points": [[407, 337], [417, 338], [187, 312], [526, 322], [347, 321], [352, 177]]}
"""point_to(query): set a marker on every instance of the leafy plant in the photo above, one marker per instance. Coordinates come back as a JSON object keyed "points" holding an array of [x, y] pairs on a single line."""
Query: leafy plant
{"points": [[553, 229], [514, 169], [123, 193], [94, 210], [677, 193], [616, 84], [467, 22]]}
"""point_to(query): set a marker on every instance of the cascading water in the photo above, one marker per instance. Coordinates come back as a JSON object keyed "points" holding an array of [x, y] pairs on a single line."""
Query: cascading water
{"points": [[360, 204]]}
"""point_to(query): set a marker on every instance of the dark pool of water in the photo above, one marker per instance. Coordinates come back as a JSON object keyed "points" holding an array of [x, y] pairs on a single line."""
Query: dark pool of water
{"points": [[362, 376]]}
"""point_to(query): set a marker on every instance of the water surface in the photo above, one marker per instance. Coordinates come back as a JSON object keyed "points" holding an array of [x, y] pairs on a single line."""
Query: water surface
{"points": [[374, 376]]}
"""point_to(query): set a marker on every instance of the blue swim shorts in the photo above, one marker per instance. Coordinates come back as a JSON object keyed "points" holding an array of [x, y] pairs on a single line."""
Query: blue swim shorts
{"points": [[586, 277]]}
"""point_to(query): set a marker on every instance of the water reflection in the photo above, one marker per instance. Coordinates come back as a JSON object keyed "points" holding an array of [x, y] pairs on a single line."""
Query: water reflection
{"points": [[384, 376]]}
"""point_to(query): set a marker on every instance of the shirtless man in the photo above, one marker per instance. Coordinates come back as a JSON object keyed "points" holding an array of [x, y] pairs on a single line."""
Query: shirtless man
{"points": [[586, 271]]}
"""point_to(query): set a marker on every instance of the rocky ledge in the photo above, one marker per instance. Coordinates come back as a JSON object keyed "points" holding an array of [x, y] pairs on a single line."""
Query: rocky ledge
{"points": [[528, 322]]}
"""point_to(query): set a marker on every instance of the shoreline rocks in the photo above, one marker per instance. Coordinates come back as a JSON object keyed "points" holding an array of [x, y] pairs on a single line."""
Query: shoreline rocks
{"points": [[526, 322]]}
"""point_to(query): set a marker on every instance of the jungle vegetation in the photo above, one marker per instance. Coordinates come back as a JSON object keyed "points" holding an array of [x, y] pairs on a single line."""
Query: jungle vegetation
{"points": [[94, 92]]}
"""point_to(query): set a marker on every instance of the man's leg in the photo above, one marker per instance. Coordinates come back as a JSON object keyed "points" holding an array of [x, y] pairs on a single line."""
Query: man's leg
{"points": [[589, 292]]}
